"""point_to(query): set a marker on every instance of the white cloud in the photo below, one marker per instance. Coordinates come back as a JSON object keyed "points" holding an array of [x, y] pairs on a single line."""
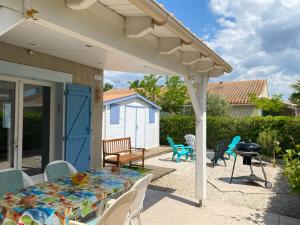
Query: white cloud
{"points": [[261, 39]]}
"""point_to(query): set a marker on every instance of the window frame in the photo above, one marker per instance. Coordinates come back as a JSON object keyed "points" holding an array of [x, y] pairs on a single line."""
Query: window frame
{"points": [[114, 115]]}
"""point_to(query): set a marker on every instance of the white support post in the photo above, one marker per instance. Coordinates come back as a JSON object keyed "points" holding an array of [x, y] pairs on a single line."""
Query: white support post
{"points": [[199, 104]]}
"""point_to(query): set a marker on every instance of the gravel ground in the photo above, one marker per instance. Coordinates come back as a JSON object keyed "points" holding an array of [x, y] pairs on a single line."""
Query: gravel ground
{"points": [[278, 200]]}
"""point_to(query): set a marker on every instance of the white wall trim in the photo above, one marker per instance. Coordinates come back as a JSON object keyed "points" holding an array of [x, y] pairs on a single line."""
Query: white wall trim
{"points": [[30, 72]]}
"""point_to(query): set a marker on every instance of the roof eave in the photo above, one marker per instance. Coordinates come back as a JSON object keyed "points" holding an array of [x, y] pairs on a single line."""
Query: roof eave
{"points": [[126, 98]]}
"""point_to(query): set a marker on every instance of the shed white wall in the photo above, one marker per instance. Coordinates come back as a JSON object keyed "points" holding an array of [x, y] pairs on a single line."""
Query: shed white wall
{"points": [[111, 131]]}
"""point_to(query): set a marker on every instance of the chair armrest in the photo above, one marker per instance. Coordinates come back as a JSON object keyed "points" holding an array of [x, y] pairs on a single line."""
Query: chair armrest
{"points": [[184, 147], [72, 222]]}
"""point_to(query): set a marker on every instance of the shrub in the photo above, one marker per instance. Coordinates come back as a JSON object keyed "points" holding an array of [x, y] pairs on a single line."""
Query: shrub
{"points": [[269, 141], [176, 126], [224, 128], [292, 168]]}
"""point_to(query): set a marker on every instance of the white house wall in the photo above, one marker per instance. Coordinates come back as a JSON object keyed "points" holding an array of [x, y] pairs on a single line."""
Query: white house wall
{"points": [[238, 111]]}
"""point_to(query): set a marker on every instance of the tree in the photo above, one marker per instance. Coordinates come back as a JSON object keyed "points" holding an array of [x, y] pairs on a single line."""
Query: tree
{"points": [[108, 86], [295, 97], [134, 84], [173, 95], [217, 105], [147, 87], [268, 105]]}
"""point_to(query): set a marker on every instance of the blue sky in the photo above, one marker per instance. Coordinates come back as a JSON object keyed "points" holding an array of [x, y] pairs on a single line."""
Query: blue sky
{"points": [[260, 39], [188, 12]]}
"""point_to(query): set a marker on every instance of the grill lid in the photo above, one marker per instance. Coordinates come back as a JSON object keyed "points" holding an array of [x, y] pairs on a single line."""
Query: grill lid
{"points": [[248, 147]]}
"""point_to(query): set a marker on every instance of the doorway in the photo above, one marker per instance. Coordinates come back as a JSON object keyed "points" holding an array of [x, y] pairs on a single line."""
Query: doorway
{"points": [[135, 125], [25, 107]]}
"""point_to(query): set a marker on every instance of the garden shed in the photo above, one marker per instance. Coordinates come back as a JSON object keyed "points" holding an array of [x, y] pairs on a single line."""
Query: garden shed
{"points": [[128, 114]]}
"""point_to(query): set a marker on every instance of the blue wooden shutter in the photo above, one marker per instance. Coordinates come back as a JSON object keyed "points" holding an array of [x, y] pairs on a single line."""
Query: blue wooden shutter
{"points": [[78, 126], [114, 114], [151, 115]]}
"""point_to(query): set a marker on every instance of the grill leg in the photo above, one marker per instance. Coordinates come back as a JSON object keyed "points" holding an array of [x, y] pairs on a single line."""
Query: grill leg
{"points": [[233, 169], [262, 167], [251, 169]]}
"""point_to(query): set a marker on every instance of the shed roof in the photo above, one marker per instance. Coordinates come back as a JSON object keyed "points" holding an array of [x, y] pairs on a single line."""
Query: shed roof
{"points": [[237, 92], [119, 95]]}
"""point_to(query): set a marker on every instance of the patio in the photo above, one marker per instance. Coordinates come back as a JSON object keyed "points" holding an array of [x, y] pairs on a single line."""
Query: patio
{"points": [[252, 204]]}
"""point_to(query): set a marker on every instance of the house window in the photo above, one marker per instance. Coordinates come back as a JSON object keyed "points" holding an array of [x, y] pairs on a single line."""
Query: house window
{"points": [[151, 115], [114, 114]]}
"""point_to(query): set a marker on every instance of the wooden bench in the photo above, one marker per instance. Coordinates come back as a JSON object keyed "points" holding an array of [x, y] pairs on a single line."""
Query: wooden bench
{"points": [[119, 151]]}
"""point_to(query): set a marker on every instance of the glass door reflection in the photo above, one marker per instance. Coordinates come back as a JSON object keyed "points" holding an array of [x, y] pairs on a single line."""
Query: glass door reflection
{"points": [[36, 128], [7, 124]]}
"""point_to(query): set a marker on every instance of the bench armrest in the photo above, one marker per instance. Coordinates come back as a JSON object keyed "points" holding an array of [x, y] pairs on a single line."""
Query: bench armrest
{"points": [[139, 149], [112, 154], [117, 154]]}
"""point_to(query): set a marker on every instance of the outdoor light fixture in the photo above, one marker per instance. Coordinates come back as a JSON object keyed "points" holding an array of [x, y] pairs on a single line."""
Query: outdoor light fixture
{"points": [[98, 95], [32, 13]]}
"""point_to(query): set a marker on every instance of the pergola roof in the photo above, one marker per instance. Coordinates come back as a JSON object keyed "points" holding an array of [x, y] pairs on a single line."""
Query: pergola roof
{"points": [[148, 19], [120, 35]]}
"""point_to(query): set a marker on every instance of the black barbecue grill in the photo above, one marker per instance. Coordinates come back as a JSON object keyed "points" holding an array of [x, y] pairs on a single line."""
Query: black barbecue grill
{"points": [[248, 150]]}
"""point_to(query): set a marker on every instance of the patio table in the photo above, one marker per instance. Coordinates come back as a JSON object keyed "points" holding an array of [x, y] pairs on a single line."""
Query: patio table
{"points": [[59, 201]]}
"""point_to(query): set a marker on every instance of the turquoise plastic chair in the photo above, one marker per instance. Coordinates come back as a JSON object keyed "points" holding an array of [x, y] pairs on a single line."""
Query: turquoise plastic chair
{"points": [[232, 145], [180, 150]]}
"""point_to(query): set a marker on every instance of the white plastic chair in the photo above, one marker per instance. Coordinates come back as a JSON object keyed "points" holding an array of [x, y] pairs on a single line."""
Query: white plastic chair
{"points": [[12, 181], [137, 206], [117, 213], [190, 140], [72, 169]]}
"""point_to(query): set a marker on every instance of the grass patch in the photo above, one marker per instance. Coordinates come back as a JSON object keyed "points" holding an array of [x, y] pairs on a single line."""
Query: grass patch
{"points": [[138, 169]]}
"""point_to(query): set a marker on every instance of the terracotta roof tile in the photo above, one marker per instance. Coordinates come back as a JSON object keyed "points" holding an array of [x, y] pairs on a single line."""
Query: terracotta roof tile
{"points": [[117, 93], [237, 92], [234, 92]]}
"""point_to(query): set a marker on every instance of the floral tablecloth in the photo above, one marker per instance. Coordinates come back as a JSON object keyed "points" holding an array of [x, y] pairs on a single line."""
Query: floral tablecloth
{"points": [[60, 201]]}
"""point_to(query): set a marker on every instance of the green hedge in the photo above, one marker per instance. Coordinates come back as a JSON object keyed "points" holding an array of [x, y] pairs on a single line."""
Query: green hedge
{"points": [[224, 128]]}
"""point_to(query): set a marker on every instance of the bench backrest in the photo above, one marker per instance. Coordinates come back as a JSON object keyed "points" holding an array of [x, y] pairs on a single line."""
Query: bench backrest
{"points": [[117, 145]]}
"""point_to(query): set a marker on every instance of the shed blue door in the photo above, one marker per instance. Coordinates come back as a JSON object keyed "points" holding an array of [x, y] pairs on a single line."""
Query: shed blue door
{"points": [[78, 126]]}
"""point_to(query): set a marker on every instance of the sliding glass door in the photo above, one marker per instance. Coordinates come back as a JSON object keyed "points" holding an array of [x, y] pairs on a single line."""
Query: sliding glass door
{"points": [[25, 124], [36, 128], [7, 124]]}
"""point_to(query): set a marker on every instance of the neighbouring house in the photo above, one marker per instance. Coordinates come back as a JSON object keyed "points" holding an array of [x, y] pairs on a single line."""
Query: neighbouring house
{"points": [[128, 114], [236, 93], [290, 109]]}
